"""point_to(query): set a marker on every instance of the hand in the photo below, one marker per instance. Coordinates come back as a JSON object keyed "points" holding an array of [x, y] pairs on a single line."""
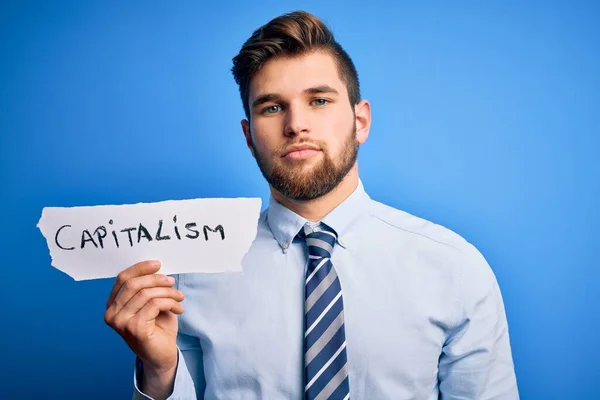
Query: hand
{"points": [[142, 308]]}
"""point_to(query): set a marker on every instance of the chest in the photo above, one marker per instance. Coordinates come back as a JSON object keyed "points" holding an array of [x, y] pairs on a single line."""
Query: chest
{"points": [[250, 324]]}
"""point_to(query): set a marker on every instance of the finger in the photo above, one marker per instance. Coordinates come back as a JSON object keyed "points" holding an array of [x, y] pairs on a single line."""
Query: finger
{"points": [[134, 285], [139, 269], [126, 322], [157, 305], [138, 326], [142, 297], [148, 314]]}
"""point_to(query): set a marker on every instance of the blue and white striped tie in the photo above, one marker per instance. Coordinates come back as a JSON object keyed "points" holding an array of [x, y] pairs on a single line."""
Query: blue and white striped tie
{"points": [[326, 369]]}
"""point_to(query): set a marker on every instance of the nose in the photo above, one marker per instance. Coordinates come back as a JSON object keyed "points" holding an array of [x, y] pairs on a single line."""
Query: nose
{"points": [[296, 121]]}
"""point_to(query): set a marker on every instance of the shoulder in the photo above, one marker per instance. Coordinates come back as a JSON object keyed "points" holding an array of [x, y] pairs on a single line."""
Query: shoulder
{"points": [[434, 237], [464, 265], [263, 226], [265, 237], [411, 224]]}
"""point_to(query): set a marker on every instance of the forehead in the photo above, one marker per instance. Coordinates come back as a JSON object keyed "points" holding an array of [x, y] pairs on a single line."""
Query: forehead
{"points": [[292, 75]]}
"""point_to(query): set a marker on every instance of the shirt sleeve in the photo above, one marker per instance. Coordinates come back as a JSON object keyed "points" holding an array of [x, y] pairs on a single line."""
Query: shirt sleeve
{"points": [[476, 360], [189, 377]]}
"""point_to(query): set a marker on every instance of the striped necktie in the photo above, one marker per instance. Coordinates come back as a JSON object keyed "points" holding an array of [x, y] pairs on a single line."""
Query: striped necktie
{"points": [[326, 370]]}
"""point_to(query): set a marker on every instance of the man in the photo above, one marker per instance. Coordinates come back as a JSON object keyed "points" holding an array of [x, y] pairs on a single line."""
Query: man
{"points": [[340, 296]]}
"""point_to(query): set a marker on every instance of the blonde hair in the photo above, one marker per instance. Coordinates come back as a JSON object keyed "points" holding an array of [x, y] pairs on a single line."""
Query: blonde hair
{"points": [[292, 34]]}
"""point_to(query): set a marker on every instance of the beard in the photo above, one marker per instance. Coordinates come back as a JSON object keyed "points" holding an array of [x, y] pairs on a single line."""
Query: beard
{"points": [[296, 182]]}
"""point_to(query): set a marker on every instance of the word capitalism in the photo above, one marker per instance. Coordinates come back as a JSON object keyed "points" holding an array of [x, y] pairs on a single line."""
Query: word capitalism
{"points": [[98, 238]]}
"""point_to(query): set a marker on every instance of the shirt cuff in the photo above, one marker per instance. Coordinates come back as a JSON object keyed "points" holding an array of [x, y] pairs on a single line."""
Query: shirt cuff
{"points": [[183, 389]]}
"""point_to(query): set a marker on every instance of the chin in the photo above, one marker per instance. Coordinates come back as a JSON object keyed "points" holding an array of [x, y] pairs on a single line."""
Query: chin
{"points": [[307, 169]]}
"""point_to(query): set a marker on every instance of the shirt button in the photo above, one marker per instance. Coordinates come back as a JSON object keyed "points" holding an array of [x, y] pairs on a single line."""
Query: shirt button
{"points": [[342, 241], [286, 245]]}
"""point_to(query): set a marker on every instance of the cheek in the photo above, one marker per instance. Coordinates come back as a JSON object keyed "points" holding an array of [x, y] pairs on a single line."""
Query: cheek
{"points": [[341, 134], [264, 142]]}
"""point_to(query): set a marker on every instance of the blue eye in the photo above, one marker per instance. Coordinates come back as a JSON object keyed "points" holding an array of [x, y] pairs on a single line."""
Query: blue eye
{"points": [[320, 102], [271, 110]]}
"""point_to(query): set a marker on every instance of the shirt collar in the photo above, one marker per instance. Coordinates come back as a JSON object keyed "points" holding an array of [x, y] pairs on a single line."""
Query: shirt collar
{"points": [[285, 224]]}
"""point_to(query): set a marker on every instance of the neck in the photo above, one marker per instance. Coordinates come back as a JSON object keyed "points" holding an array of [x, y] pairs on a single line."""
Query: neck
{"points": [[314, 210]]}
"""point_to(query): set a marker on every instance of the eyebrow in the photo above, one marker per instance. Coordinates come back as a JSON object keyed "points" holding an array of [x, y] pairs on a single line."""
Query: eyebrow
{"points": [[265, 98]]}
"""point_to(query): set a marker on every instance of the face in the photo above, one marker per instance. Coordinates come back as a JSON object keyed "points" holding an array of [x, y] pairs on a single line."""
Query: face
{"points": [[304, 133]]}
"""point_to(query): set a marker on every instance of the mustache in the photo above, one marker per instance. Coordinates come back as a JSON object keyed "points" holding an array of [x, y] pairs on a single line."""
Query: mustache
{"points": [[315, 143]]}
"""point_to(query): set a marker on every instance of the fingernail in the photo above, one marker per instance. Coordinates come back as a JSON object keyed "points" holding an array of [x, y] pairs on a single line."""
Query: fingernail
{"points": [[170, 279]]}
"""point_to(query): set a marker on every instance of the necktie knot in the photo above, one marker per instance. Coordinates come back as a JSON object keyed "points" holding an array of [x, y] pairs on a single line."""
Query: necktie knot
{"points": [[320, 240]]}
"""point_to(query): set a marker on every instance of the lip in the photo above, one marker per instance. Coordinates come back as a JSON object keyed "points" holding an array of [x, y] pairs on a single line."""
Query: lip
{"points": [[303, 148], [301, 154]]}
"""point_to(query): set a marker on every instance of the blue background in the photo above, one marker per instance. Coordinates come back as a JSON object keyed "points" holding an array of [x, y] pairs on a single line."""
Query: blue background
{"points": [[485, 120]]}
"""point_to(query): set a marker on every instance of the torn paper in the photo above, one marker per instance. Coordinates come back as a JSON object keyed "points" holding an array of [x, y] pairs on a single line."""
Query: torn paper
{"points": [[198, 235]]}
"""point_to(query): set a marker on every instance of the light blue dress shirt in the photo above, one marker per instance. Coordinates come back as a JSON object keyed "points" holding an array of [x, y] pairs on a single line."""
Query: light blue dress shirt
{"points": [[423, 312]]}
